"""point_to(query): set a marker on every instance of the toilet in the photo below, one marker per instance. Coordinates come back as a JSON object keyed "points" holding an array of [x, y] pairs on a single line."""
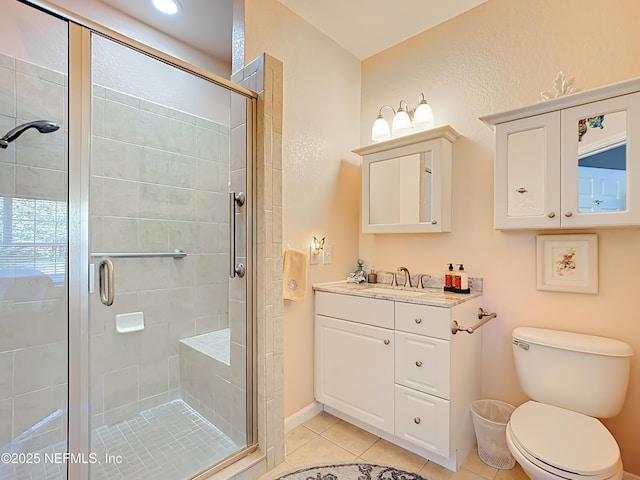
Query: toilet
{"points": [[572, 380]]}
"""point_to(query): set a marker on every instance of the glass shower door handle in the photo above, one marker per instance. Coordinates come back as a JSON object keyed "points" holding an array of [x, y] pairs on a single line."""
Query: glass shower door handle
{"points": [[234, 268], [105, 274]]}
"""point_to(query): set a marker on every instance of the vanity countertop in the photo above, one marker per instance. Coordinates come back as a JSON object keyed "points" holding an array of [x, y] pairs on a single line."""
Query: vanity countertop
{"points": [[422, 296]]}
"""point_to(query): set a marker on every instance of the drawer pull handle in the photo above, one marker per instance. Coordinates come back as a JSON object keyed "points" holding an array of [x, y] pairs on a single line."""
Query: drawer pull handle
{"points": [[387, 341], [417, 420], [418, 363], [418, 320]]}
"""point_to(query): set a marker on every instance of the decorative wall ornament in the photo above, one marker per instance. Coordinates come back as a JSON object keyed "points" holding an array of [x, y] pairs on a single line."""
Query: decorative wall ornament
{"points": [[568, 263], [562, 86], [593, 122]]}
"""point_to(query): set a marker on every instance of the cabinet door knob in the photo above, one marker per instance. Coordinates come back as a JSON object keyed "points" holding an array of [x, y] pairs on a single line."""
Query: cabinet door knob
{"points": [[418, 320], [387, 341], [568, 214], [417, 420], [433, 222], [418, 363], [551, 214], [521, 190]]}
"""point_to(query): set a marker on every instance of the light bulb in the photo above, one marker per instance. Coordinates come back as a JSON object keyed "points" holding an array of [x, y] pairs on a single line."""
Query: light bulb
{"points": [[423, 116], [168, 7], [401, 122], [380, 130]]}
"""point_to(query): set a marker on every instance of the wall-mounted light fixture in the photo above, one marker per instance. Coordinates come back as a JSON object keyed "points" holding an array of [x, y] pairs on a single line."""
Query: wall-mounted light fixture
{"points": [[316, 251], [318, 245], [404, 120]]}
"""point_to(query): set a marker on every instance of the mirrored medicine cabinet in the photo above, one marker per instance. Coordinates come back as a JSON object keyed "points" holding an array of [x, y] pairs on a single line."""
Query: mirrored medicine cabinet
{"points": [[406, 183], [565, 163]]}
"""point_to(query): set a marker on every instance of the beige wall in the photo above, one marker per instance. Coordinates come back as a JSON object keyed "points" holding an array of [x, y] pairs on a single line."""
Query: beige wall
{"points": [[495, 57], [320, 175]]}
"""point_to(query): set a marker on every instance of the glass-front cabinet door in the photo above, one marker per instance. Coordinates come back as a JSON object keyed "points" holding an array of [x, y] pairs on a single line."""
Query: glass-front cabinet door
{"points": [[599, 139]]}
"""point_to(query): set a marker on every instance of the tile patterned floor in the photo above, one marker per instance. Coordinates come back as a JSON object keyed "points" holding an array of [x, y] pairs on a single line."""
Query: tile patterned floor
{"points": [[168, 442], [325, 439], [39, 467]]}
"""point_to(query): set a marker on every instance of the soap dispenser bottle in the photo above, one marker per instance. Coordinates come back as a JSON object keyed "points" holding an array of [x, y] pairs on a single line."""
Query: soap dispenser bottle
{"points": [[462, 279], [448, 277], [373, 276]]}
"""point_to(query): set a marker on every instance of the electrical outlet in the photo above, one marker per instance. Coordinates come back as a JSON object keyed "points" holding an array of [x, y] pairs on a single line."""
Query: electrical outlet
{"points": [[327, 255]]}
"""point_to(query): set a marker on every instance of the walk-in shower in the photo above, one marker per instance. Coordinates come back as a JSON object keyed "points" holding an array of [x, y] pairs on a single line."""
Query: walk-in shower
{"points": [[140, 160]]}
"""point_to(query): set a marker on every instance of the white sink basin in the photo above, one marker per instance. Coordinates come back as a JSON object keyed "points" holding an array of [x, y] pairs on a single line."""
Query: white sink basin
{"points": [[396, 292]]}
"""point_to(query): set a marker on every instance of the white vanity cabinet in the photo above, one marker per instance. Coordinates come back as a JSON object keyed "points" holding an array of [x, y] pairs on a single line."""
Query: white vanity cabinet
{"points": [[395, 369], [354, 356], [567, 162]]}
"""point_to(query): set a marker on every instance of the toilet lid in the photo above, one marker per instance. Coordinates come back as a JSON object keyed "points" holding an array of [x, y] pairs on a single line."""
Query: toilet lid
{"points": [[564, 439]]}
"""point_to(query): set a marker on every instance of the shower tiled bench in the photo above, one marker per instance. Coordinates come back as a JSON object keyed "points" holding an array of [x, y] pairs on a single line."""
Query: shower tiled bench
{"points": [[205, 380]]}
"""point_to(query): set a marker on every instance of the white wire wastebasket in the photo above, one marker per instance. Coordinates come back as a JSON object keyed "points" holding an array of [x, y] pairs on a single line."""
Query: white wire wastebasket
{"points": [[490, 418]]}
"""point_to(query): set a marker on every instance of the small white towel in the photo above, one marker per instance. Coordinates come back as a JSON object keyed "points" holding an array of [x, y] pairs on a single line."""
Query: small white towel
{"points": [[294, 276]]}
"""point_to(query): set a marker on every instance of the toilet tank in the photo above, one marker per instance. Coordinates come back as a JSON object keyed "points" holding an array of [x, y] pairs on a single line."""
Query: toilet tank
{"points": [[582, 373]]}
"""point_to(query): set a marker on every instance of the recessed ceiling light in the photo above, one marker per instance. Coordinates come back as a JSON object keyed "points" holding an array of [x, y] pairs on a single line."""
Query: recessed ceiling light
{"points": [[168, 7]]}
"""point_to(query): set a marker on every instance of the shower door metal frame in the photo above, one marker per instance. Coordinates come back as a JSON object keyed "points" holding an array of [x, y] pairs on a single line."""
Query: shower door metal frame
{"points": [[79, 125]]}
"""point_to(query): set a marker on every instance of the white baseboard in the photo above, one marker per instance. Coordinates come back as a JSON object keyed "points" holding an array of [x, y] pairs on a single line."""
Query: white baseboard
{"points": [[304, 414], [630, 476]]}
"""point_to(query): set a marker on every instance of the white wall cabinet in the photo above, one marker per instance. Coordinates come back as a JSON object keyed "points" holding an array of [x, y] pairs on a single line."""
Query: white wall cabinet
{"points": [[396, 370], [406, 183], [567, 162]]}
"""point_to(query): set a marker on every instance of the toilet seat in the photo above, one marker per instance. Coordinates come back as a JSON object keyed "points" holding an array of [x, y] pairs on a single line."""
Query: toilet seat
{"points": [[564, 443]]}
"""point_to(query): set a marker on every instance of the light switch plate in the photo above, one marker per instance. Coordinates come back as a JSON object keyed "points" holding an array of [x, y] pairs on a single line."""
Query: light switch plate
{"points": [[327, 255]]}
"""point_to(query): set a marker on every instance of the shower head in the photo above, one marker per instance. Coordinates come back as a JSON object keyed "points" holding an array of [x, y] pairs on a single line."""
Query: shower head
{"points": [[43, 126]]}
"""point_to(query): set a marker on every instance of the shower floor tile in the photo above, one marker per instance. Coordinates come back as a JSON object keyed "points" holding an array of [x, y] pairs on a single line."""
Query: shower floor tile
{"points": [[168, 442]]}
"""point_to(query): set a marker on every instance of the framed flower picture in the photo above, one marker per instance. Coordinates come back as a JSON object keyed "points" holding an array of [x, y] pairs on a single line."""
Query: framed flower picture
{"points": [[568, 263]]}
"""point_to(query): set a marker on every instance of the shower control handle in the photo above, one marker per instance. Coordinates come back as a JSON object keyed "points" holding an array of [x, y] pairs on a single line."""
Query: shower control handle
{"points": [[105, 274], [239, 200], [240, 270]]}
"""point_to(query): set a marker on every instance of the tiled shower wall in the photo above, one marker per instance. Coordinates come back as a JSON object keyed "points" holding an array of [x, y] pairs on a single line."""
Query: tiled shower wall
{"points": [[159, 182], [33, 308], [264, 76]]}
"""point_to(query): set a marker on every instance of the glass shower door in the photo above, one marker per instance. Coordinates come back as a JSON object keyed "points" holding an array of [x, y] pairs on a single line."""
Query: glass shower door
{"points": [[168, 321], [33, 244]]}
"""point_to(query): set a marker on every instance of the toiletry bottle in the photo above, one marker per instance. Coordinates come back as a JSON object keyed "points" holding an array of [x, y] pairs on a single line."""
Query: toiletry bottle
{"points": [[373, 276], [457, 279], [464, 278], [448, 276]]}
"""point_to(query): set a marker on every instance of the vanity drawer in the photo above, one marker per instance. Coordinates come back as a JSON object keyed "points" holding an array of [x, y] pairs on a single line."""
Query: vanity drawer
{"points": [[370, 311], [423, 320], [423, 420], [422, 363]]}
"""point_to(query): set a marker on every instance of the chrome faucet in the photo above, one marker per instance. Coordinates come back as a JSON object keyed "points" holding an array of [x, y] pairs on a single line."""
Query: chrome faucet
{"points": [[407, 276]]}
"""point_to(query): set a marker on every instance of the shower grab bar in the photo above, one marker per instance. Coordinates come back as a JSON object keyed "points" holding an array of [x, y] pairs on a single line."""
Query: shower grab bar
{"points": [[483, 316], [105, 274], [175, 254], [234, 268]]}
